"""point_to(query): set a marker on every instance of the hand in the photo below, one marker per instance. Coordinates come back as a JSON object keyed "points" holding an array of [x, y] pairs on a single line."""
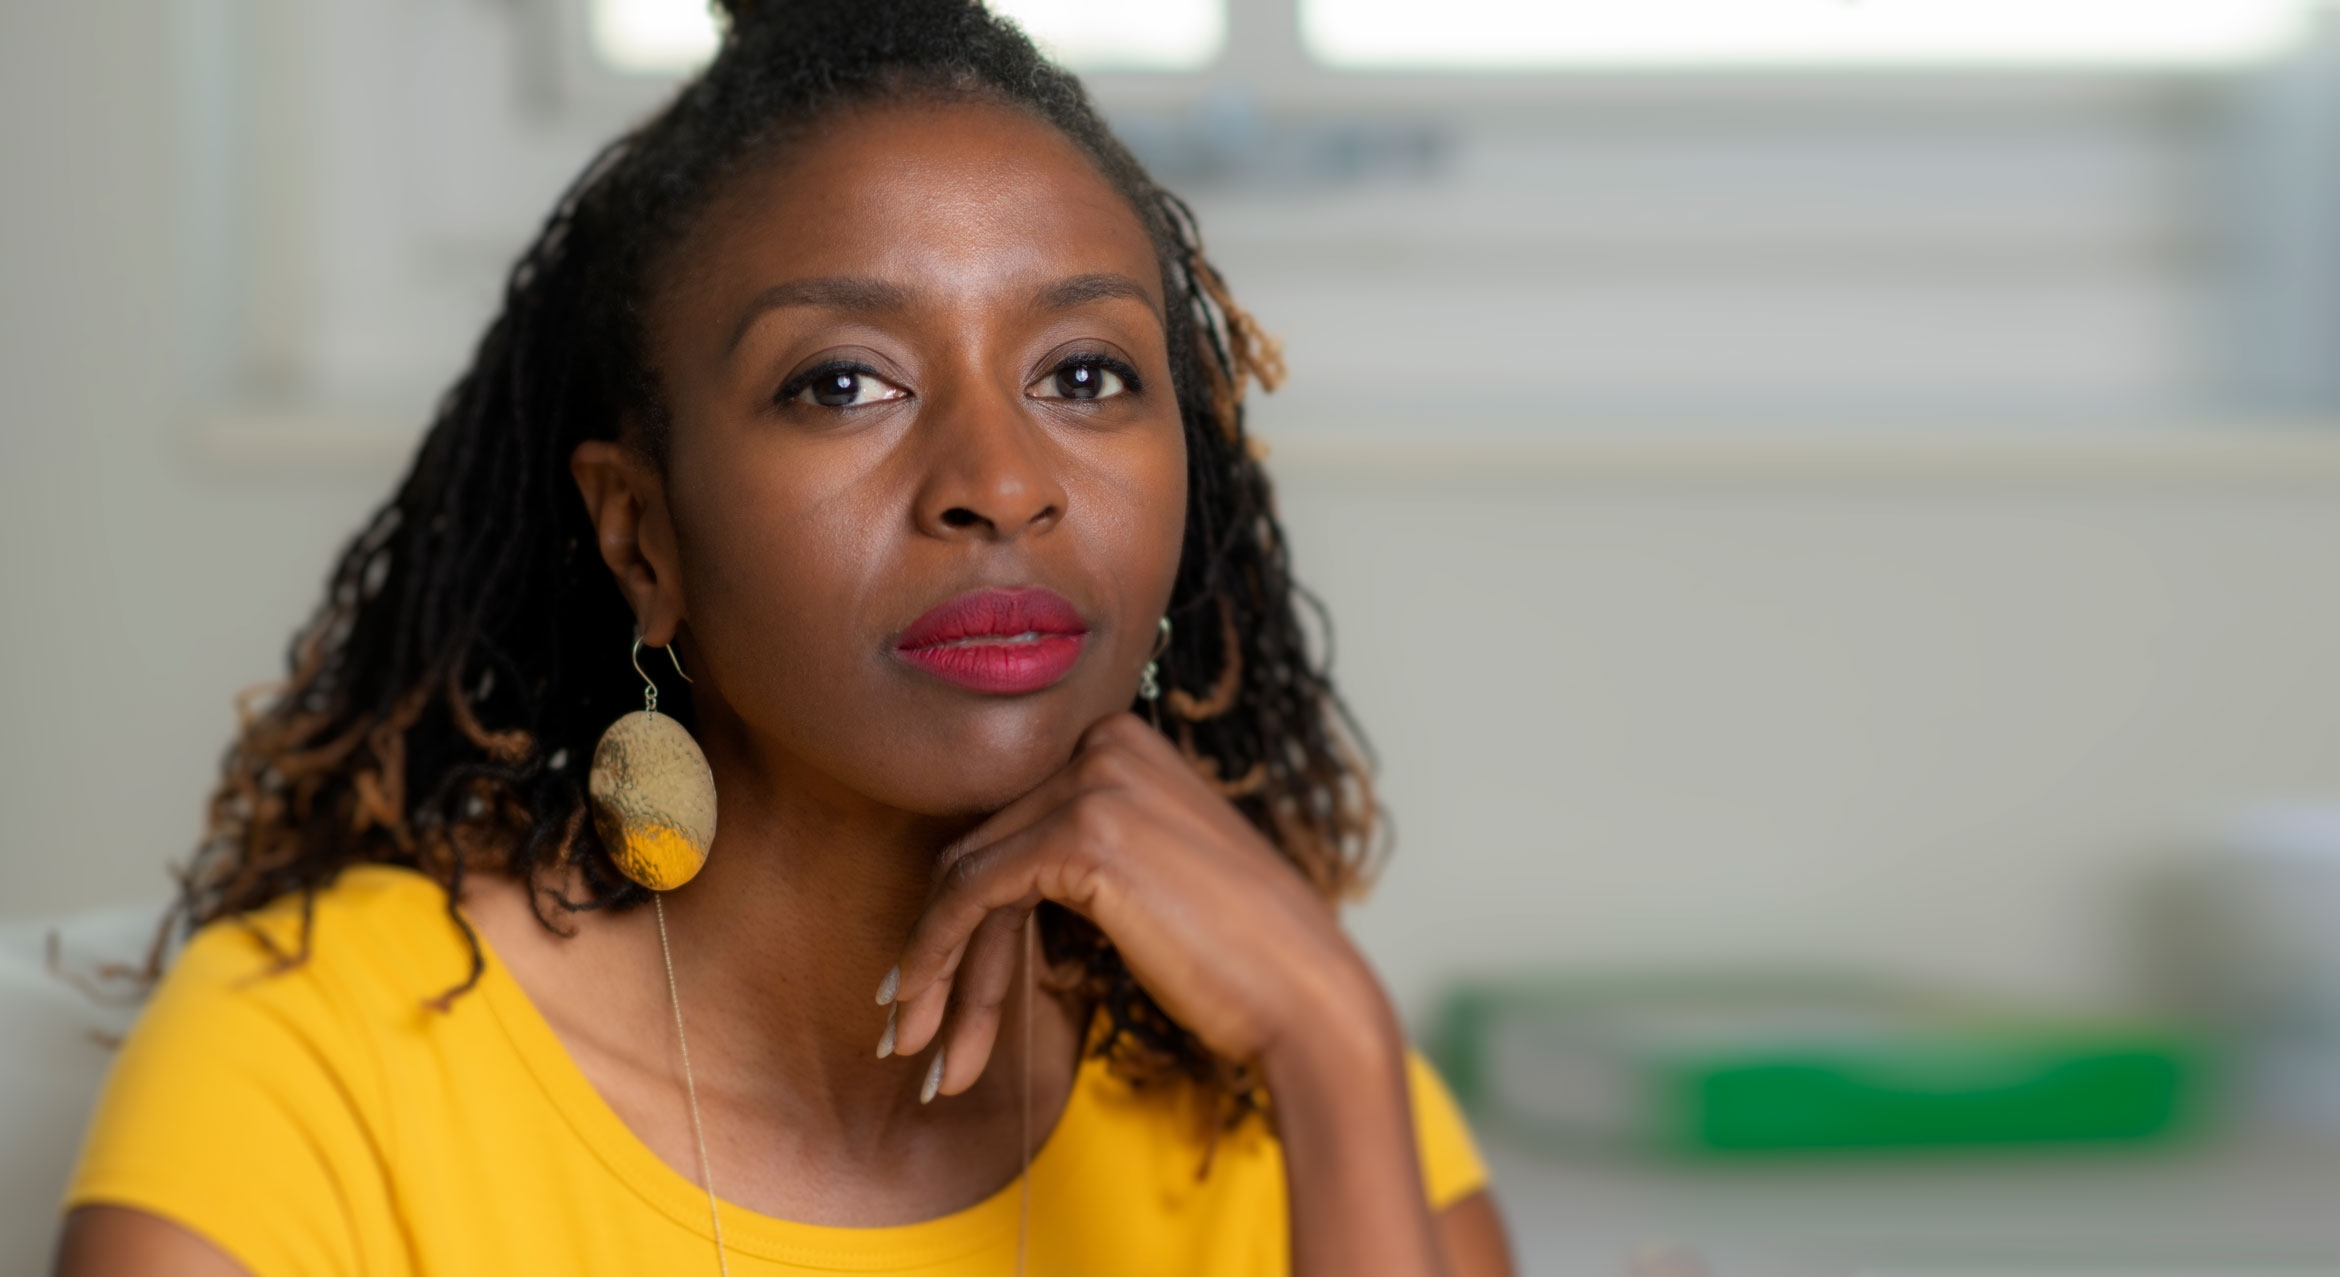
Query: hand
{"points": [[1221, 930]]}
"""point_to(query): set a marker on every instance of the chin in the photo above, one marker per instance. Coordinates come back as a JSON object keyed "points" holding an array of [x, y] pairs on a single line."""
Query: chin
{"points": [[995, 755], [963, 757]]}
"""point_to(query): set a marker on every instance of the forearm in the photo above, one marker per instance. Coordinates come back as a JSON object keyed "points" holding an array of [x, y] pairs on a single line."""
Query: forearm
{"points": [[1337, 1084]]}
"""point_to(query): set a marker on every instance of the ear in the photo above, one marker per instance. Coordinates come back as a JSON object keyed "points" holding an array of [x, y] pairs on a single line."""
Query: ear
{"points": [[625, 496]]}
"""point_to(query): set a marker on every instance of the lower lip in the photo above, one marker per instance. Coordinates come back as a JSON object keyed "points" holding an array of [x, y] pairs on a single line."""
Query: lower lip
{"points": [[1002, 667]]}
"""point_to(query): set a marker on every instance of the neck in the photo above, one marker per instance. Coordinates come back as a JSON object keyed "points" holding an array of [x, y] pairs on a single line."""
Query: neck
{"points": [[805, 902]]}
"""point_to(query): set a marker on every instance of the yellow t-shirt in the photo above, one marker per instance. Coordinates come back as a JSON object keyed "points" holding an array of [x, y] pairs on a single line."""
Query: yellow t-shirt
{"points": [[322, 1120]]}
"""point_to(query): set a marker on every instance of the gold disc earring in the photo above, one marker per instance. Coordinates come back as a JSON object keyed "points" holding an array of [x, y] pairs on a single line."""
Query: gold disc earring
{"points": [[653, 794]]}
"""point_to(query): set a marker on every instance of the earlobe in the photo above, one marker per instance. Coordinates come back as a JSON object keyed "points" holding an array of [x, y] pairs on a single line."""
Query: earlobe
{"points": [[625, 498]]}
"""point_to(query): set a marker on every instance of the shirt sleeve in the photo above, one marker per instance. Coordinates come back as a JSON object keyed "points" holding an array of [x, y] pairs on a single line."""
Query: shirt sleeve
{"points": [[234, 1110], [1452, 1168]]}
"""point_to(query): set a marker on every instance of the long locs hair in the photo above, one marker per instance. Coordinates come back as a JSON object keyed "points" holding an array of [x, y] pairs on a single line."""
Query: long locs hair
{"points": [[442, 703]]}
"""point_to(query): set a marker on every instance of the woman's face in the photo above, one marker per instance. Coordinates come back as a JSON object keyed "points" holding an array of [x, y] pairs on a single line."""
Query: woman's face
{"points": [[925, 473]]}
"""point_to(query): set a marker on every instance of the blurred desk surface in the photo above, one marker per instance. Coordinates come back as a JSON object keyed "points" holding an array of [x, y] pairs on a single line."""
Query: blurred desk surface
{"points": [[2259, 1205]]}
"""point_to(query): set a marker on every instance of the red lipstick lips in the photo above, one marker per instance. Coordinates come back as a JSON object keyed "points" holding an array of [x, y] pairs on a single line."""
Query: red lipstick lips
{"points": [[1005, 642]]}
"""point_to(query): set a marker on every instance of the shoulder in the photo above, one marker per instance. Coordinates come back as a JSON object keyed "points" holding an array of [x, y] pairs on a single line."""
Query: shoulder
{"points": [[1165, 1137], [1452, 1167], [364, 952], [377, 928], [260, 1071], [1147, 1171], [319, 973], [301, 986]]}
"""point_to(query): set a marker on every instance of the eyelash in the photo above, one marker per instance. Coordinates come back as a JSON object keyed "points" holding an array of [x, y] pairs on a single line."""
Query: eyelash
{"points": [[1130, 383], [799, 383], [796, 385]]}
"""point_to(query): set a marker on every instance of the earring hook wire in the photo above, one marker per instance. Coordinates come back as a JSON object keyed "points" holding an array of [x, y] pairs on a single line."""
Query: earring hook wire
{"points": [[671, 655], [650, 685]]}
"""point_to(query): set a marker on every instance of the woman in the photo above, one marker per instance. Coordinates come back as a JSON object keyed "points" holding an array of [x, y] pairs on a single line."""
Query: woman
{"points": [[876, 384]]}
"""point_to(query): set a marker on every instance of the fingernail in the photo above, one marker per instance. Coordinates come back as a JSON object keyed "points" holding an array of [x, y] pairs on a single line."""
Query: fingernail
{"points": [[933, 1078], [886, 1040], [890, 986]]}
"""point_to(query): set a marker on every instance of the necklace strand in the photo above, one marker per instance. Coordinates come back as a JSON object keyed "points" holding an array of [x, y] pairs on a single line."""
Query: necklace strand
{"points": [[699, 1132], [690, 1087], [1024, 1172]]}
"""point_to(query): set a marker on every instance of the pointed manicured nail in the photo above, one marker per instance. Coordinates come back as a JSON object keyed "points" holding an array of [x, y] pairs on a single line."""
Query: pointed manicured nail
{"points": [[890, 986], [886, 1041], [933, 1078]]}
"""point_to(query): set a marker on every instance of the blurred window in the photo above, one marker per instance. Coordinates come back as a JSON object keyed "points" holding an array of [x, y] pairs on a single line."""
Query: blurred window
{"points": [[652, 37], [1637, 216], [671, 37], [1532, 34]]}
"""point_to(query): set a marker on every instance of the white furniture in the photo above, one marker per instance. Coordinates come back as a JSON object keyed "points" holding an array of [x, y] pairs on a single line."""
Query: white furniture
{"points": [[57, 1023]]}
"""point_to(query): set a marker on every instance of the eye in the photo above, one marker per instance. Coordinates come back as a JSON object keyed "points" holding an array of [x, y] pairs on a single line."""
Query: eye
{"points": [[1086, 377], [840, 386]]}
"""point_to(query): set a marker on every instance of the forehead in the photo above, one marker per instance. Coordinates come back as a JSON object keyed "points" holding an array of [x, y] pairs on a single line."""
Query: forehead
{"points": [[943, 195]]}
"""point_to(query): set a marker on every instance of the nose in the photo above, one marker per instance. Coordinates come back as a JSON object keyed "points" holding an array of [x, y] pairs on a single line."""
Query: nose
{"points": [[992, 474]]}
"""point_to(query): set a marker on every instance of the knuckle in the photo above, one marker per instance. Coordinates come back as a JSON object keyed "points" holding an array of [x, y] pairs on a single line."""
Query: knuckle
{"points": [[1094, 849], [1085, 877], [1098, 825], [979, 1003], [1111, 765], [963, 874], [1111, 728], [1124, 732]]}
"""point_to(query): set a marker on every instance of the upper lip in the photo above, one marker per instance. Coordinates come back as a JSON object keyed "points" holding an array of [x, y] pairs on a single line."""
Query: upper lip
{"points": [[993, 613]]}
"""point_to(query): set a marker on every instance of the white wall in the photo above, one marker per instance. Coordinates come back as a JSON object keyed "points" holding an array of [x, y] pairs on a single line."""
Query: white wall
{"points": [[1925, 709], [139, 586]]}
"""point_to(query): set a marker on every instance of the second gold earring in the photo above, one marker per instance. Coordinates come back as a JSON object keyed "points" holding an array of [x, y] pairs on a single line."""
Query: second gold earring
{"points": [[1150, 678]]}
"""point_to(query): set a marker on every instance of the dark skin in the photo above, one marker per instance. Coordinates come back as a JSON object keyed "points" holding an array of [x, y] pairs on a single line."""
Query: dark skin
{"points": [[968, 261]]}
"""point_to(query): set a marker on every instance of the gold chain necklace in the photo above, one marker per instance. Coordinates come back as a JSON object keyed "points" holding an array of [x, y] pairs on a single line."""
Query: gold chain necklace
{"points": [[699, 1133]]}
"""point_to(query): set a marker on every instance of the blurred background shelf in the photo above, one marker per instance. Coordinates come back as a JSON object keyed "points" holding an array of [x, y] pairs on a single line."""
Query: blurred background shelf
{"points": [[2250, 1205]]}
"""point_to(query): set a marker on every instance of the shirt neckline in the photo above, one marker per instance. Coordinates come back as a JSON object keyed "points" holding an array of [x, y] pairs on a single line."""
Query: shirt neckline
{"points": [[990, 1222]]}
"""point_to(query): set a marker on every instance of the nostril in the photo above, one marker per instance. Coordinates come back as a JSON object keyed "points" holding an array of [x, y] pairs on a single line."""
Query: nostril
{"points": [[959, 516]]}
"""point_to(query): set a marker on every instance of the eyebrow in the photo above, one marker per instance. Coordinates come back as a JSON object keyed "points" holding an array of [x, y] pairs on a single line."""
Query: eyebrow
{"points": [[1083, 289], [826, 292], [869, 296]]}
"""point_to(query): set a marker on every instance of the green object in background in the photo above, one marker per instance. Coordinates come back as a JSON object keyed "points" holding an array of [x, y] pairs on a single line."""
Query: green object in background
{"points": [[1736, 1065]]}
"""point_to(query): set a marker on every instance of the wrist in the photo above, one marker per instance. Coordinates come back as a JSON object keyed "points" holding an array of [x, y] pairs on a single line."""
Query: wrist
{"points": [[1336, 1082], [1341, 1034]]}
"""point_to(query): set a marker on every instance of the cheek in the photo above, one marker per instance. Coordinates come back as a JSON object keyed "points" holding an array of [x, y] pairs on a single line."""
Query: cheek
{"points": [[1137, 498], [1166, 526], [779, 553]]}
